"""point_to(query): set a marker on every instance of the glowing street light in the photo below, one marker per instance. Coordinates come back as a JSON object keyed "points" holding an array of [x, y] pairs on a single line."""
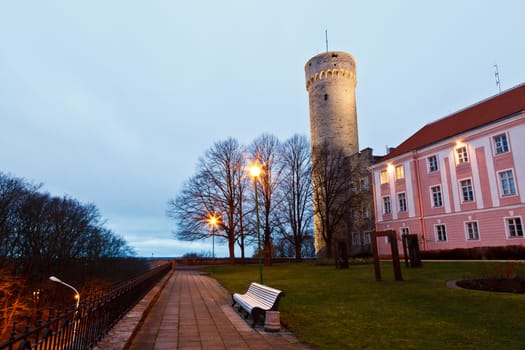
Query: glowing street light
{"points": [[255, 172], [77, 294], [213, 220]]}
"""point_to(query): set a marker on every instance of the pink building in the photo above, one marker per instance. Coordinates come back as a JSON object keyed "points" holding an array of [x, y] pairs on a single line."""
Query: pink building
{"points": [[458, 182]]}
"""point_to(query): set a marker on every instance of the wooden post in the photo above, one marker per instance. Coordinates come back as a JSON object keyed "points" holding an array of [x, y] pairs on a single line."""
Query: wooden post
{"points": [[404, 240], [377, 267], [395, 256]]}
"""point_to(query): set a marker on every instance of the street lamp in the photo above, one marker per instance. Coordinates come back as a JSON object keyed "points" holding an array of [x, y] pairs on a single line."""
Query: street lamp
{"points": [[213, 221], [255, 172], [77, 294]]}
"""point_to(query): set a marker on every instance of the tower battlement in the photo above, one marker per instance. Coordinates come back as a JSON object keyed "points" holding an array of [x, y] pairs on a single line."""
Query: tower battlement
{"points": [[331, 74], [327, 65]]}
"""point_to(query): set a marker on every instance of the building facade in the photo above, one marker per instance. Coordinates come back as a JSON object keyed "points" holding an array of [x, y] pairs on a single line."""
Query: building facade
{"points": [[458, 182]]}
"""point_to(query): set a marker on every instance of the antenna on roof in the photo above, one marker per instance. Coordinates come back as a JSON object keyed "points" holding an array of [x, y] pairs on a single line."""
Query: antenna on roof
{"points": [[496, 75], [326, 38]]}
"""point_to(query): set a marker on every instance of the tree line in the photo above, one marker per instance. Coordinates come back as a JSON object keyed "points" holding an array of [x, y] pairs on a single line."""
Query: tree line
{"points": [[38, 230], [221, 187]]}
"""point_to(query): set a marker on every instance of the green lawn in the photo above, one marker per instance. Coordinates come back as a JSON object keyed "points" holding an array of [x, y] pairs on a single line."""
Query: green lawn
{"points": [[347, 309]]}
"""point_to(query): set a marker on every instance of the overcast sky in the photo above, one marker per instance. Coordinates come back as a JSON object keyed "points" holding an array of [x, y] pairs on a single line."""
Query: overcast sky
{"points": [[113, 101]]}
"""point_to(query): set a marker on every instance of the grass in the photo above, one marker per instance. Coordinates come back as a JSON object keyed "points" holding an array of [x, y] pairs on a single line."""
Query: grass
{"points": [[347, 309]]}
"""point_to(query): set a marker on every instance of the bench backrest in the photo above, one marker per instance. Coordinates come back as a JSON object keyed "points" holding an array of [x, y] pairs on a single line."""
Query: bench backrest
{"points": [[267, 295]]}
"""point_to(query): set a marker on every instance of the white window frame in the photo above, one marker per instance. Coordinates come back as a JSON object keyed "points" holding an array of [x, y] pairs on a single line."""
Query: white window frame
{"points": [[504, 188], [501, 147], [438, 233], [432, 199], [402, 205], [387, 205], [472, 230], [508, 227], [404, 231], [383, 176], [432, 164], [400, 172], [469, 192], [462, 156]]}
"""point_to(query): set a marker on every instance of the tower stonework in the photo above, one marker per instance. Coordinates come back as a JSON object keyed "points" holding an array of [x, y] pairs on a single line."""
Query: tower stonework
{"points": [[331, 82]]}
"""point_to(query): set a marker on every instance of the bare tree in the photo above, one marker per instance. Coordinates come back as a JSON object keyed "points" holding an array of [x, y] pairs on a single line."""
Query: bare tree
{"points": [[13, 193], [331, 195], [296, 211], [38, 230], [265, 150], [216, 189]]}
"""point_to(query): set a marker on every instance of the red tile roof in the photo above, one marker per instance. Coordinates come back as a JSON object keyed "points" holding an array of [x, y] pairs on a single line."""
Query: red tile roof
{"points": [[477, 115]]}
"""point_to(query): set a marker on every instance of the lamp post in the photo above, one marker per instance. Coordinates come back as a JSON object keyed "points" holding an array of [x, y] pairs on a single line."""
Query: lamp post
{"points": [[77, 294], [255, 172], [213, 221]]}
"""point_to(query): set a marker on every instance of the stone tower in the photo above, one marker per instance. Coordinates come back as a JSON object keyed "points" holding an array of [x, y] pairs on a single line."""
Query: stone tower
{"points": [[331, 82]]}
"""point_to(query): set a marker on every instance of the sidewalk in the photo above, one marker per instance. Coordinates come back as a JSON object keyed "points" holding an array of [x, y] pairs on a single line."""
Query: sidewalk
{"points": [[193, 311]]}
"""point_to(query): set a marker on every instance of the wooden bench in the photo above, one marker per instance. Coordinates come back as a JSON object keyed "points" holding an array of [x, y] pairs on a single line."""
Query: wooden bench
{"points": [[257, 300]]}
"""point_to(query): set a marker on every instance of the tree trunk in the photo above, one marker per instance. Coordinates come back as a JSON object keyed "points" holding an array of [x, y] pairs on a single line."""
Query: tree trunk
{"points": [[298, 255], [267, 250], [231, 248]]}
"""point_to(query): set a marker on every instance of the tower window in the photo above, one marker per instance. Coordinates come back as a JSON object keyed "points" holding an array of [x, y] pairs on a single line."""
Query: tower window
{"points": [[325, 97]]}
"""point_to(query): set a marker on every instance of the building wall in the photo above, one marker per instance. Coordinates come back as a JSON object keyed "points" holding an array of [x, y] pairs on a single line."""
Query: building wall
{"points": [[489, 208]]}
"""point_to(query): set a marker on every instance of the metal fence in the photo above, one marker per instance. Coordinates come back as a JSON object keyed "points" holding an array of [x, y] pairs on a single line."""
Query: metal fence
{"points": [[82, 328]]}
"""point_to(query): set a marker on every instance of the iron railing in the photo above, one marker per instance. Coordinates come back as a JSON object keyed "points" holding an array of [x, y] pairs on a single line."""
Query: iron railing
{"points": [[82, 328]]}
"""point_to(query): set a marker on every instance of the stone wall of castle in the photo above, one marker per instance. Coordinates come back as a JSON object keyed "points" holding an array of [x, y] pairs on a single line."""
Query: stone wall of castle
{"points": [[331, 82]]}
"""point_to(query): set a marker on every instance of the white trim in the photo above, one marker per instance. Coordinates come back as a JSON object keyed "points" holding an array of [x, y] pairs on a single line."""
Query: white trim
{"points": [[406, 202], [383, 205], [466, 231], [392, 184], [411, 206], [493, 143], [377, 189], [466, 154], [476, 182], [451, 139], [500, 184], [427, 163], [518, 154], [436, 240], [432, 196], [492, 177], [460, 189], [507, 233], [453, 182]]}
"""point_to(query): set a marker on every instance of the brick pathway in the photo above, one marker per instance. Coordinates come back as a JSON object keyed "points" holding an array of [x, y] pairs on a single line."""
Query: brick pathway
{"points": [[193, 311]]}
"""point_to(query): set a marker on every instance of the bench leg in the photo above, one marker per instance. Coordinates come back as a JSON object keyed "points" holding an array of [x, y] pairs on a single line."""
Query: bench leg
{"points": [[256, 316]]}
